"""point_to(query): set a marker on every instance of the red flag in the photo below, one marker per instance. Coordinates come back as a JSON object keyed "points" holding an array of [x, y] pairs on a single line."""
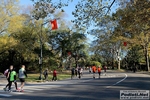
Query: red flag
{"points": [[125, 43], [54, 24]]}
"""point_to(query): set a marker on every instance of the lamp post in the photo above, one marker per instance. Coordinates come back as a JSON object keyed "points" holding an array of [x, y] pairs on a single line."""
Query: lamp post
{"points": [[41, 11], [41, 54], [118, 59], [41, 48]]}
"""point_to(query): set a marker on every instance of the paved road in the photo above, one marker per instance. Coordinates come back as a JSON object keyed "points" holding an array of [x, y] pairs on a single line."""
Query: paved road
{"points": [[106, 88]]}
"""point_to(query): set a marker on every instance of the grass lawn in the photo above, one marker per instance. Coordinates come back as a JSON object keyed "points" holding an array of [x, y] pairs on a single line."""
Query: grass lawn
{"points": [[35, 77]]}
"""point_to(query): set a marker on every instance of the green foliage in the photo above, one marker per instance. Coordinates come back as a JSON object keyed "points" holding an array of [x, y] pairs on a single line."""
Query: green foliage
{"points": [[45, 8], [10, 19], [96, 63], [89, 12]]}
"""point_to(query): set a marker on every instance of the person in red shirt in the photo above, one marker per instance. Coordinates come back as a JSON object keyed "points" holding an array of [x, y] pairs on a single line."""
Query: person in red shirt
{"points": [[54, 75], [99, 71], [94, 70]]}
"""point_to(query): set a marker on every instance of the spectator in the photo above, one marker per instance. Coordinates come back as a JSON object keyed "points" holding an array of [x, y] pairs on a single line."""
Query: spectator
{"points": [[72, 73], [54, 75], [45, 73], [76, 71]]}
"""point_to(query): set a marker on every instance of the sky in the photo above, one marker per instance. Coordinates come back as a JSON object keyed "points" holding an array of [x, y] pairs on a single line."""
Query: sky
{"points": [[68, 10]]}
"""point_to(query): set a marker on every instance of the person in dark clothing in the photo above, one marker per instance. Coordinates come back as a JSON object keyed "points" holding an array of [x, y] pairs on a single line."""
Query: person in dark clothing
{"points": [[76, 71], [13, 79], [72, 73], [46, 74], [9, 79], [79, 72]]}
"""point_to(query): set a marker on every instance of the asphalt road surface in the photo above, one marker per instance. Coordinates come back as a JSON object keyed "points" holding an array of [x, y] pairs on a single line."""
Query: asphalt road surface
{"points": [[106, 88]]}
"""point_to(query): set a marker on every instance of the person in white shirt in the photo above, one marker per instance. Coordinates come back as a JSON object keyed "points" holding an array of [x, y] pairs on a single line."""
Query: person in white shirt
{"points": [[22, 76]]}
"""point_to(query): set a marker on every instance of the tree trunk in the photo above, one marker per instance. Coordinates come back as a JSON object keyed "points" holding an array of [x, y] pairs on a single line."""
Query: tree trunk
{"points": [[147, 59]]}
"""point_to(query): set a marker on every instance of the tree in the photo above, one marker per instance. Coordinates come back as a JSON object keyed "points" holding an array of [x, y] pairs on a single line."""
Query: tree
{"points": [[89, 12], [135, 22], [10, 19], [45, 8], [64, 41]]}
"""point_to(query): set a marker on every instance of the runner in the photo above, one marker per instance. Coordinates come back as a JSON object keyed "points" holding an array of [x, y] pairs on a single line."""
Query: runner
{"points": [[22, 76], [99, 71], [94, 70]]}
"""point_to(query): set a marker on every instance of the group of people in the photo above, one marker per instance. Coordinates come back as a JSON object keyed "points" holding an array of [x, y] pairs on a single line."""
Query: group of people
{"points": [[54, 78], [11, 76], [78, 71], [94, 69]]}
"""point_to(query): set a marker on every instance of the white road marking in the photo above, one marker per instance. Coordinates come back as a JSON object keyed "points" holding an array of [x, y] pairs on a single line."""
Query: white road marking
{"points": [[5, 95], [121, 80], [118, 81], [17, 92]]}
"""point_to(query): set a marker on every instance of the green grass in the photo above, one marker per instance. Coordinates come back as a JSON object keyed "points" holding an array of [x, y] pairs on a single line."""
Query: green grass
{"points": [[35, 77]]}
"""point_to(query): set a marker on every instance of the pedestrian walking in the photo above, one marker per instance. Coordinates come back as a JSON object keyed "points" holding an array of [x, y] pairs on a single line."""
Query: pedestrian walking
{"points": [[72, 72], [54, 75], [94, 70], [11, 77], [45, 73], [99, 71], [22, 76]]}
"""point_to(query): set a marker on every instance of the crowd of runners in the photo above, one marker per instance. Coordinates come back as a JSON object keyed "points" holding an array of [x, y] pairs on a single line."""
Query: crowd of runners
{"points": [[78, 71], [11, 75]]}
